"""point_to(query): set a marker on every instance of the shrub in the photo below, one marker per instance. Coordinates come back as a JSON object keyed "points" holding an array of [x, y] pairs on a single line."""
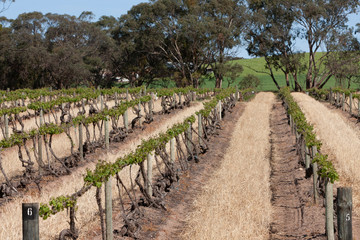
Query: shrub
{"points": [[249, 81]]}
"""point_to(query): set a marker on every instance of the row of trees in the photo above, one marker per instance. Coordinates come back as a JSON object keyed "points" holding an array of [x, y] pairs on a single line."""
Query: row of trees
{"points": [[181, 39], [276, 25], [39, 50]]}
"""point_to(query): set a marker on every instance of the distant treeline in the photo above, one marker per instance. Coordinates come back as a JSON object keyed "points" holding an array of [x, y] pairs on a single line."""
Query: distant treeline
{"points": [[179, 40]]}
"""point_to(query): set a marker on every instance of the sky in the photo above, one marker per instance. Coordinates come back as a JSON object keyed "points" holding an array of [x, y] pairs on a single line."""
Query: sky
{"points": [[114, 8], [72, 7]]}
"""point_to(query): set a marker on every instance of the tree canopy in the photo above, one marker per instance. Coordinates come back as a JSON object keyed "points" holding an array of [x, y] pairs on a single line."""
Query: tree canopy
{"points": [[277, 24], [180, 40]]}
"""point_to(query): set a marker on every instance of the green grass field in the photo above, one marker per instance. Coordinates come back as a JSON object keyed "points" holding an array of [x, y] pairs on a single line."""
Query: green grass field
{"points": [[256, 66]]}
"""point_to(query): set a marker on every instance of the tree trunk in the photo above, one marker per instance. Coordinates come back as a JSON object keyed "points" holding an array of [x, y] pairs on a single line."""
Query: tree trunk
{"points": [[195, 82], [298, 88], [309, 75], [272, 74], [219, 77], [287, 79], [218, 82]]}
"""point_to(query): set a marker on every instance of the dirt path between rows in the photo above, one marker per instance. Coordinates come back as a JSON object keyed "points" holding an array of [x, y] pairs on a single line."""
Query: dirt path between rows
{"points": [[161, 224], [228, 152], [294, 214]]}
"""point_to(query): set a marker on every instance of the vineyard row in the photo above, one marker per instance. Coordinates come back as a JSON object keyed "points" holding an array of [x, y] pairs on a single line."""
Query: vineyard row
{"points": [[39, 143], [169, 165]]}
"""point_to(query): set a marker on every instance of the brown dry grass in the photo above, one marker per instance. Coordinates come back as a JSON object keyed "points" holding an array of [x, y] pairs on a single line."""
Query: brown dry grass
{"points": [[340, 142], [87, 208], [235, 203]]}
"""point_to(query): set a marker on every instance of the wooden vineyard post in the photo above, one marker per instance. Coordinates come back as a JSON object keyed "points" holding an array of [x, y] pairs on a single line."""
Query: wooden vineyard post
{"points": [[139, 114], [344, 213], [200, 129], [350, 104], [315, 174], [329, 209], [116, 99], [49, 109], [303, 150], [108, 210], [174, 101], [151, 104], [30, 221], [6, 120], [125, 115], [106, 123], [194, 96], [297, 135], [23, 99], [149, 189], [81, 145], [172, 150], [307, 158], [83, 106], [40, 152], [337, 99], [101, 102], [107, 140], [343, 102], [41, 117], [189, 140], [99, 98], [180, 98], [219, 106]]}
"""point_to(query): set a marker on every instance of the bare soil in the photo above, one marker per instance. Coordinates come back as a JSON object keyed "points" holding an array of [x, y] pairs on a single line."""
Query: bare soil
{"points": [[295, 216]]}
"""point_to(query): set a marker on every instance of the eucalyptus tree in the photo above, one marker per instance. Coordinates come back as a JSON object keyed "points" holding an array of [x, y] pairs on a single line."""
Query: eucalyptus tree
{"points": [[275, 25], [137, 55], [5, 4], [185, 39], [6, 53], [107, 24], [52, 50], [28, 52], [75, 46], [271, 35], [161, 38], [343, 59], [225, 21], [319, 21]]}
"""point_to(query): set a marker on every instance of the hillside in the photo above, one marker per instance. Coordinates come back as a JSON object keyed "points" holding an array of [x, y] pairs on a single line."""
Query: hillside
{"points": [[256, 66]]}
